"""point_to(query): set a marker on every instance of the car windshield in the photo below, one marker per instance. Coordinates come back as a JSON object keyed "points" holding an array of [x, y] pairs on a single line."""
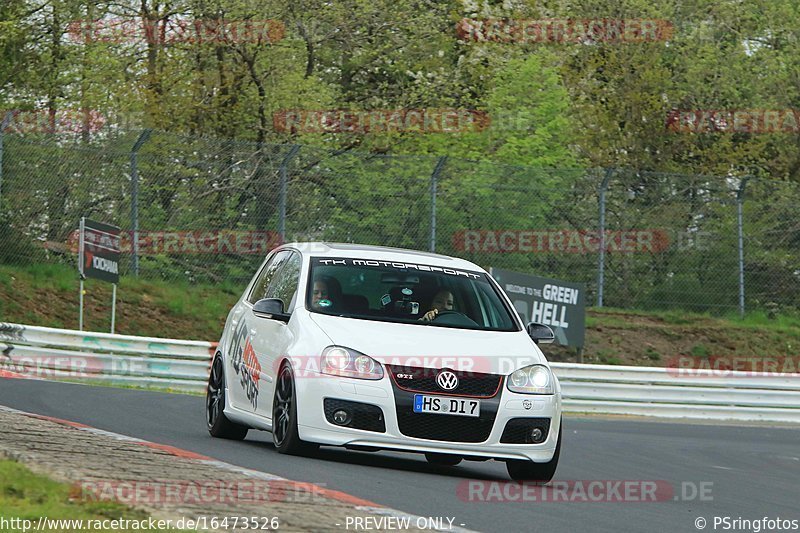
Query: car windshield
{"points": [[410, 293]]}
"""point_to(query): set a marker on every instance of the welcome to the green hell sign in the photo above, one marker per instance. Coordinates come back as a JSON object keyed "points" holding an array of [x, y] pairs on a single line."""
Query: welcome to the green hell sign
{"points": [[555, 303]]}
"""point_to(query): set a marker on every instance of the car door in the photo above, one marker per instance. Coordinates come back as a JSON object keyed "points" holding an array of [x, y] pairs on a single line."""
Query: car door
{"points": [[242, 382], [272, 337]]}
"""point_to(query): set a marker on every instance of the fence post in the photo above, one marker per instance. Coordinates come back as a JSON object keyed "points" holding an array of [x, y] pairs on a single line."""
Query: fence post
{"points": [[740, 231], [3, 126], [601, 261], [434, 190], [135, 198], [284, 184]]}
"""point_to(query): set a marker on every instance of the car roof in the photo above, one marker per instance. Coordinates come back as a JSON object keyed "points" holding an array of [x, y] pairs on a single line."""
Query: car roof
{"points": [[364, 251]]}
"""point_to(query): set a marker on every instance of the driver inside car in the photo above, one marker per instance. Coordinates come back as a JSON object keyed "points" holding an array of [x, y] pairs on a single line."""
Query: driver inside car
{"points": [[443, 301]]}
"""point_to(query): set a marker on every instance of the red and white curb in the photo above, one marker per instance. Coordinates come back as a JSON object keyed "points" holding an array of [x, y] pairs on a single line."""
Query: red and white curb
{"points": [[358, 503]]}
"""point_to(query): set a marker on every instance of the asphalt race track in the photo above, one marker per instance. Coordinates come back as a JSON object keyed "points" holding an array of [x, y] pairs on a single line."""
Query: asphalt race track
{"points": [[751, 472]]}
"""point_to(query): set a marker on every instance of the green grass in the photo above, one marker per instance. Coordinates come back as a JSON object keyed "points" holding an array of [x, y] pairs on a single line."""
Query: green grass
{"points": [[51, 276], [652, 354], [679, 317], [29, 496], [700, 350], [607, 357], [599, 316], [761, 319], [185, 299]]}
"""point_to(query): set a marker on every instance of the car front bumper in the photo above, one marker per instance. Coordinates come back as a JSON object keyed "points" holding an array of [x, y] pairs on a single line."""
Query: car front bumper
{"points": [[313, 389]]}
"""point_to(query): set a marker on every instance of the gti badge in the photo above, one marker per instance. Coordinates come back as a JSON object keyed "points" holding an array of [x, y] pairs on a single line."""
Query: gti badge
{"points": [[447, 380]]}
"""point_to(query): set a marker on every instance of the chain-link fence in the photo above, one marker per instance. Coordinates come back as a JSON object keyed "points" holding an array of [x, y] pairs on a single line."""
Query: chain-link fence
{"points": [[208, 210]]}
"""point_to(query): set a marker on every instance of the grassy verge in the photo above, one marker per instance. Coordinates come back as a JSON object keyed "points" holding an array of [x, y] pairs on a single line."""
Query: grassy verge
{"points": [[47, 295], [28, 496], [619, 336]]}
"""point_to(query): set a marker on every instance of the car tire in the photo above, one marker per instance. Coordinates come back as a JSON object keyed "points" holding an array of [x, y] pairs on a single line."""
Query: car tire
{"points": [[218, 424], [531, 471], [443, 459], [285, 435]]}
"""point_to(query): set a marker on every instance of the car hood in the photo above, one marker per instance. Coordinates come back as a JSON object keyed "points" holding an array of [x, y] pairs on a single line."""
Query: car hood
{"points": [[432, 346]]}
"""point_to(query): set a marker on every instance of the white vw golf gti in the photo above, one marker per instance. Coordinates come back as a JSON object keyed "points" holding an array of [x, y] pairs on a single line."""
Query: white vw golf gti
{"points": [[377, 348]]}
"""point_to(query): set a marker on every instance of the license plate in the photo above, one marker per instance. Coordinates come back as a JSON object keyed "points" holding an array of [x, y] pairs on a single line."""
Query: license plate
{"points": [[442, 405]]}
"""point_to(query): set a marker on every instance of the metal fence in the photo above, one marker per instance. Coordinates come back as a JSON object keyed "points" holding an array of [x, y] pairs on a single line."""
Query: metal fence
{"points": [[207, 210]]}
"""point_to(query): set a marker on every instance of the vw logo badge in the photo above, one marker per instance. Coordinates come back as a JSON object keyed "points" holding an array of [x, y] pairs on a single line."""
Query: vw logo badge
{"points": [[447, 380]]}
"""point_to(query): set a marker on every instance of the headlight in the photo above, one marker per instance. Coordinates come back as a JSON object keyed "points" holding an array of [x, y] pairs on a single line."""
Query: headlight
{"points": [[534, 379], [340, 361], [335, 358]]}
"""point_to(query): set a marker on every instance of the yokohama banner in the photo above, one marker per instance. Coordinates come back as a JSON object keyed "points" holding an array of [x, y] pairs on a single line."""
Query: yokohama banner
{"points": [[98, 249]]}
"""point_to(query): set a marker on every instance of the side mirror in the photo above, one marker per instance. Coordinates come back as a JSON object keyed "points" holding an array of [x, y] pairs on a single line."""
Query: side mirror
{"points": [[271, 308], [540, 333]]}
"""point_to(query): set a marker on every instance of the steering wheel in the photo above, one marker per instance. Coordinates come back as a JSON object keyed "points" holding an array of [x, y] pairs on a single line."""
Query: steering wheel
{"points": [[446, 313], [454, 318]]}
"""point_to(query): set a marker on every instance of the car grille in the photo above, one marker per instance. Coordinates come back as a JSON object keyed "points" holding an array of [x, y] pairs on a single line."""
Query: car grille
{"points": [[363, 415], [518, 430], [444, 427], [470, 384]]}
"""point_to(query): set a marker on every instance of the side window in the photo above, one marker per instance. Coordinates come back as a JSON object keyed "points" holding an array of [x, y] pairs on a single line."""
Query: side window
{"points": [[498, 317], [267, 273], [284, 284]]}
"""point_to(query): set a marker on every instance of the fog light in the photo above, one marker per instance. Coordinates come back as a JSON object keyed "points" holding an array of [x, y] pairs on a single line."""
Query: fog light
{"points": [[536, 435], [341, 417]]}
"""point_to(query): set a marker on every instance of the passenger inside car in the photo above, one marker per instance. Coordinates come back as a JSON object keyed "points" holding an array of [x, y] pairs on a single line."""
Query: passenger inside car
{"points": [[326, 294]]}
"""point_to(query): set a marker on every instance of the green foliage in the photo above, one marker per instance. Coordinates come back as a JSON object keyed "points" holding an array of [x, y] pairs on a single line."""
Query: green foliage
{"points": [[569, 106], [603, 103], [15, 248]]}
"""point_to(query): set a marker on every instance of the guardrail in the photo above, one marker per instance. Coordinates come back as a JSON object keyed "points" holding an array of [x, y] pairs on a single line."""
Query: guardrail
{"points": [[34, 351], [680, 393], [183, 365]]}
